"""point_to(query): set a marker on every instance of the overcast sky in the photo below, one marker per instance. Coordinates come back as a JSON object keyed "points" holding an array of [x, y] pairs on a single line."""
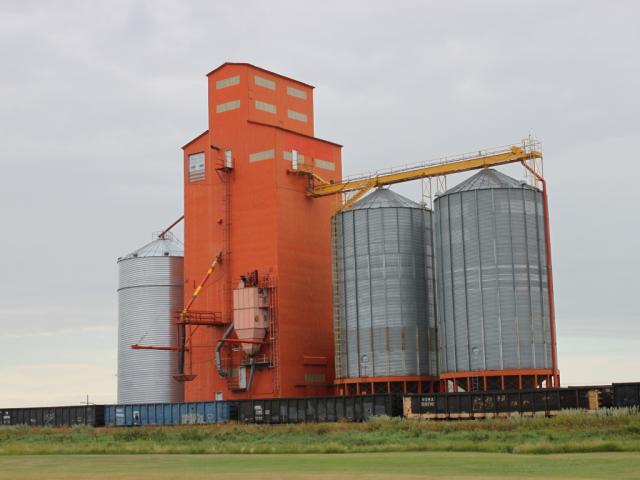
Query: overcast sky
{"points": [[96, 99]]}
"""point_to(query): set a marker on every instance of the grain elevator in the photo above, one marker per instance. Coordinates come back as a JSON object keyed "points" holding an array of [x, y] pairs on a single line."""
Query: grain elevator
{"points": [[296, 281], [242, 203]]}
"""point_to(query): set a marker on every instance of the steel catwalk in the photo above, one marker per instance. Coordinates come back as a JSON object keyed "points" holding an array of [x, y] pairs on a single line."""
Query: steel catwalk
{"points": [[150, 293], [385, 314], [492, 284]]}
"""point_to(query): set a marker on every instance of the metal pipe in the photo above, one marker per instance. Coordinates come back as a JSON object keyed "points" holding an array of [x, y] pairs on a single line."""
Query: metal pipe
{"points": [[198, 289], [152, 347], [168, 348], [251, 372], [166, 230], [239, 340], [547, 236], [221, 371], [182, 333]]}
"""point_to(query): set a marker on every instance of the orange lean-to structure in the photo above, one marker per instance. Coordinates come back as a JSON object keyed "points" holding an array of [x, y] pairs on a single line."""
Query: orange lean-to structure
{"points": [[243, 206]]}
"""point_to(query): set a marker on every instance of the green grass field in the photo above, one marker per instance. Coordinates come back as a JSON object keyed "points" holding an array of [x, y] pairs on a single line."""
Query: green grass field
{"points": [[604, 444], [571, 432], [619, 466]]}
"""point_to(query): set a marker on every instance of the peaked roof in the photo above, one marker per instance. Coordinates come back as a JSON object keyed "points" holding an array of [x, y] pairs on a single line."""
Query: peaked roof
{"points": [[169, 246], [293, 132], [194, 139], [261, 69], [488, 178], [384, 198]]}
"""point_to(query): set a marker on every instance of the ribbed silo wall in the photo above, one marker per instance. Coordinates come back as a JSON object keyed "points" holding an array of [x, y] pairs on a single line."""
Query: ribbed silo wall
{"points": [[492, 289], [384, 280], [150, 293]]}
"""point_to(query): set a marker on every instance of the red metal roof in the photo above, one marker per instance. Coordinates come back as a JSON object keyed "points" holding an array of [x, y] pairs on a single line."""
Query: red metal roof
{"points": [[294, 132], [194, 139], [261, 69]]}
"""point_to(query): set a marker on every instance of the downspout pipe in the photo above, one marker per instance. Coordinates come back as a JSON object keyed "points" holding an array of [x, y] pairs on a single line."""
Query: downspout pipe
{"points": [[221, 371], [163, 234], [181, 350], [251, 372]]}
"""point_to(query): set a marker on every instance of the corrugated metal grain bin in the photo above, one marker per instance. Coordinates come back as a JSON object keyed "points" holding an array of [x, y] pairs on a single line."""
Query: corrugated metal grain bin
{"points": [[384, 312], [150, 295], [318, 409], [90, 415], [492, 284], [189, 413]]}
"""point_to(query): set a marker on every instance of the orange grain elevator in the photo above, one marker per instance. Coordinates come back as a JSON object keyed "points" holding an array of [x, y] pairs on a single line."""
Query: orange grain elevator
{"points": [[260, 323]]}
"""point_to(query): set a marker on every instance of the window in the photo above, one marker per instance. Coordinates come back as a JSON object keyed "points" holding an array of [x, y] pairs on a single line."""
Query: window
{"points": [[227, 82], [264, 82], [289, 157], [301, 117], [324, 164], [225, 107], [196, 167], [266, 107], [259, 156], [294, 92]]}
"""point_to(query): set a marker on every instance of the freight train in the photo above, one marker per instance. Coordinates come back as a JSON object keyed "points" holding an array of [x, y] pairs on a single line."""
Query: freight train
{"points": [[431, 406]]}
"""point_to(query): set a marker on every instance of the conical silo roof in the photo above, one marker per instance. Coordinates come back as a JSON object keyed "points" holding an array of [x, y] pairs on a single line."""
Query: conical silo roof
{"points": [[384, 198], [488, 178], [169, 246]]}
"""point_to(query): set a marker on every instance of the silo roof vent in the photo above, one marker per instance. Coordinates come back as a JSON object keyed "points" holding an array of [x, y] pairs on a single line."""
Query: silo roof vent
{"points": [[488, 178], [169, 246], [384, 198]]}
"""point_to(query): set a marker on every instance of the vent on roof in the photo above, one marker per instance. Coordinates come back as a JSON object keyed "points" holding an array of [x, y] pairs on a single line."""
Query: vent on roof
{"points": [[384, 198], [488, 178]]}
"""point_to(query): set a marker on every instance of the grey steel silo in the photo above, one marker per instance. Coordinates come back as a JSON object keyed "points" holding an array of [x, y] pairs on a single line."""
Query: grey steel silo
{"points": [[492, 285], [150, 294], [384, 320]]}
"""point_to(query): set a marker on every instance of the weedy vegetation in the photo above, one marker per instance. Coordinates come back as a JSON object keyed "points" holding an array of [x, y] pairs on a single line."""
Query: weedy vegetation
{"points": [[609, 430]]}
